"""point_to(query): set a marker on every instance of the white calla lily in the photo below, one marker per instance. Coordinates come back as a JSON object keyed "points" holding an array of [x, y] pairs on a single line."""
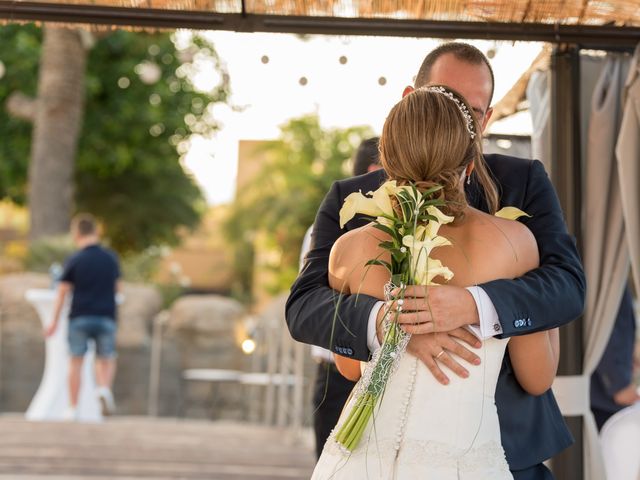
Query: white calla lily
{"points": [[442, 218], [511, 213], [419, 251], [356, 202], [436, 269], [382, 197]]}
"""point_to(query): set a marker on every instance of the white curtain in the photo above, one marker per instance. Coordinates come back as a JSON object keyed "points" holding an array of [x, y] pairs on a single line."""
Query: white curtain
{"points": [[539, 98], [628, 156], [606, 252]]}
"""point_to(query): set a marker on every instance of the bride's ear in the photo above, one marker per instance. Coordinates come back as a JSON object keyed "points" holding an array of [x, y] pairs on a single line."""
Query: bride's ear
{"points": [[470, 168]]}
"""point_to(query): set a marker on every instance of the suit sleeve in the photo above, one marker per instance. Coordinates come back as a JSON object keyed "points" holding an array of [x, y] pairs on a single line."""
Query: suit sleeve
{"points": [[317, 314], [553, 294]]}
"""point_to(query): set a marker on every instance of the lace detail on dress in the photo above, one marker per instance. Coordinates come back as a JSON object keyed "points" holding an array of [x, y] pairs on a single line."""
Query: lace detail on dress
{"points": [[388, 362], [488, 456]]}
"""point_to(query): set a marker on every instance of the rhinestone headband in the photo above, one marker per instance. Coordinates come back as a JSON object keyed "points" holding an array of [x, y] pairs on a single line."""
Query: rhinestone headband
{"points": [[461, 106]]}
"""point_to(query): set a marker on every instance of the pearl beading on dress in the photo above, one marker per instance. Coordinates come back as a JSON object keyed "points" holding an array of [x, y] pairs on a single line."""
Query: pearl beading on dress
{"points": [[404, 409]]}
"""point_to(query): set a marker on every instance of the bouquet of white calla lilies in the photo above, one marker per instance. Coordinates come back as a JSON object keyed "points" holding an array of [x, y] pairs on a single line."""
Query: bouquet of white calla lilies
{"points": [[412, 234]]}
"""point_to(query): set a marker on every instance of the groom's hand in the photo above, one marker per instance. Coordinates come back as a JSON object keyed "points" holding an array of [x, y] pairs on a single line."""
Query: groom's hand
{"points": [[436, 349], [433, 309]]}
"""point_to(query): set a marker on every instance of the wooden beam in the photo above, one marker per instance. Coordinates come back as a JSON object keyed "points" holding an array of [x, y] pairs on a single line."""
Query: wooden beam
{"points": [[585, 35]]}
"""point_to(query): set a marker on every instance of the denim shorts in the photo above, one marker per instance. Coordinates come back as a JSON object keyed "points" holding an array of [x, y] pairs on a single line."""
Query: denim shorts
{"points": [[100, 329]]}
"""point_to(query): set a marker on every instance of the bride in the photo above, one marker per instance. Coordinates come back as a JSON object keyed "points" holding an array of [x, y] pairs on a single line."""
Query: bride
{"points": [[421, 429]]}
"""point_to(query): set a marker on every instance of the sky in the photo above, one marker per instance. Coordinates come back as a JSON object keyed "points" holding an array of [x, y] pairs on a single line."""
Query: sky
{"points": [[347, 81]]}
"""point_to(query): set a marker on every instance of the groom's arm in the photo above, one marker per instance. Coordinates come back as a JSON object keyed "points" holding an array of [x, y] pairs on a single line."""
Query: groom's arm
{"points": [[317, 314], [548, 297], [553, 294]]}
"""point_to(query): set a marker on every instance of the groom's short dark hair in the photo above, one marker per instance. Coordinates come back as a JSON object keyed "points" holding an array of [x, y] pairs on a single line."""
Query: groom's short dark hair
{"points": [[462, 51]]}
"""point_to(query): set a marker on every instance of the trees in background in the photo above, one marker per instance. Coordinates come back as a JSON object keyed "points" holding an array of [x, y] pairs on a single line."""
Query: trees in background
{"points": [[278, 205], [130, 111]]}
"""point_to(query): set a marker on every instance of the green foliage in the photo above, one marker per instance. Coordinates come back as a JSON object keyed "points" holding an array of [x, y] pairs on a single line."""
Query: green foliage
{"points": [[281, 202], [128, 170], [19, 54], [43, 253]]}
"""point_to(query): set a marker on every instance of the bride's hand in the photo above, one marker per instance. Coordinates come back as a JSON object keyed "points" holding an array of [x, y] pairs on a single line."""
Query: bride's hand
{"points": [[434, 349], [432, 309]]}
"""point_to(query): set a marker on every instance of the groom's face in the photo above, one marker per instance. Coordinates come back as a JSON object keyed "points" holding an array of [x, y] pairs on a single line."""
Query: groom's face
{"points": [[472, 81]]}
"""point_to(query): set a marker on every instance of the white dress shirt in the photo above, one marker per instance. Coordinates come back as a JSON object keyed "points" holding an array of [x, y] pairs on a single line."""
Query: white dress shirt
{"points": [[489, 325]]}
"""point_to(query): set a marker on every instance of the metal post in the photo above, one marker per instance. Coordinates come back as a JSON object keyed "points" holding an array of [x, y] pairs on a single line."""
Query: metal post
{"points": [[156, 362], [567, 177], [1, 329]]}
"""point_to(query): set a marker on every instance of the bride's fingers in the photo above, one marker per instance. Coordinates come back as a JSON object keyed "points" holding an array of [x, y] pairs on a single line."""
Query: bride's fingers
{"points": [[452, 364], [435, 370], [466, 336], [462, 352]]}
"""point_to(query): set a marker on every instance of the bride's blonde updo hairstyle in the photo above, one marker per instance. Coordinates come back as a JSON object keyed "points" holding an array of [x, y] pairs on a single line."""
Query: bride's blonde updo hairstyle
{"points": [[429, 138]]}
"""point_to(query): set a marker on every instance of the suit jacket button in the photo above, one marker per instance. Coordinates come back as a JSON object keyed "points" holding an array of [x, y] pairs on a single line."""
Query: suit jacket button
{"points": [[528, 322], [349, 351]]}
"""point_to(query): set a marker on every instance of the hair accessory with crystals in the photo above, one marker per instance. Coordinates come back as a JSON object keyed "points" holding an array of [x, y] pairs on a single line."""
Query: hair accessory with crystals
{"points": [[461, 106]]}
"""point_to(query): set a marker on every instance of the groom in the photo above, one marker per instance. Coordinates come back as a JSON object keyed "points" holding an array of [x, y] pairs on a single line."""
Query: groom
{"points": [[532, 428]]}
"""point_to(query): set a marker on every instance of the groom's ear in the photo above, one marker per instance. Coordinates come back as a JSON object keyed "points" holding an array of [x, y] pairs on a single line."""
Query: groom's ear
{"points": [[486, 118], [407, 90]]}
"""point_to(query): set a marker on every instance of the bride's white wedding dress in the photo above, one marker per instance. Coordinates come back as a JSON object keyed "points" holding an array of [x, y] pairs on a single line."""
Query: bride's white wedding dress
{"points": [[424, 430]]}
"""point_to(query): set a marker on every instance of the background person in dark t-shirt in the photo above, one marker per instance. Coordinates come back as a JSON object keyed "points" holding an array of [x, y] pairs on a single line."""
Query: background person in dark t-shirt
{"points": [[91, 274]]}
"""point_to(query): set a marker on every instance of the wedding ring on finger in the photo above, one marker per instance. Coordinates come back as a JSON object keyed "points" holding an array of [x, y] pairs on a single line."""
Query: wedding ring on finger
{"points": [[439, 355]]}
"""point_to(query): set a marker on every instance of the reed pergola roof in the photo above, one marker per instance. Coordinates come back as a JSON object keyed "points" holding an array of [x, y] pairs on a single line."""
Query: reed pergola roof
{"points": [[566, 12], [580, 21]]}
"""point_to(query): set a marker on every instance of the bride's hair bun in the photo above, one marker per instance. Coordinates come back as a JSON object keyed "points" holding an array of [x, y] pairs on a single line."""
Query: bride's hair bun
{"points": [[426, 141], [450, 193]]}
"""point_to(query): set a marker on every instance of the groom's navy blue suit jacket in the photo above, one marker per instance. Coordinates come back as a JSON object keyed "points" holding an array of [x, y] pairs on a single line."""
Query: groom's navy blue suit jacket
{"points": [[532, 427]]}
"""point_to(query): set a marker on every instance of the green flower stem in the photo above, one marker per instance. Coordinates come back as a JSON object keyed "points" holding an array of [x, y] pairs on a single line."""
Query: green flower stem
{"points": [[352, 419], [359, 428]]}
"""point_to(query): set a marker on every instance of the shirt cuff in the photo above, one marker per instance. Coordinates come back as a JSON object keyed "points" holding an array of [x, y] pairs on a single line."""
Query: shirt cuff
{"points": [[372, 336], [489, 325]]}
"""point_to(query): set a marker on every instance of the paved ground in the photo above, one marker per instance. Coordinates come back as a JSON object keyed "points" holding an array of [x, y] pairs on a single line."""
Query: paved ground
{"points": [[128, 448]]}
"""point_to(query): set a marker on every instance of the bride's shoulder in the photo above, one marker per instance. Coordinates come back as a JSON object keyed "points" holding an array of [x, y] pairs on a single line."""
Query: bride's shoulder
{"points": [[361, 238], [510, 238]]}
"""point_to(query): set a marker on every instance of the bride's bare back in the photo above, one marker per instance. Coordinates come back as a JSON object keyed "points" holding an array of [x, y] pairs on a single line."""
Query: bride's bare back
{"points": [[484, 248]]}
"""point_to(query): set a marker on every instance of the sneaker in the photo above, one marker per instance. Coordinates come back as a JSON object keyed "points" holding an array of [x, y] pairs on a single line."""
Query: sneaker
{"points": [[107, 402], [69, 415]]}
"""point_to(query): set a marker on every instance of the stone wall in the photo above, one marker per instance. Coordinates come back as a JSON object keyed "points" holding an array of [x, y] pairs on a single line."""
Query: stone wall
{"points": [[200, 331]]}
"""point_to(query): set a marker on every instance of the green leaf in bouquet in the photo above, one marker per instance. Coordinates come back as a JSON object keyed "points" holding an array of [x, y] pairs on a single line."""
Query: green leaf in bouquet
{"points": [[385, 229], [387, 245], [380, 263], [398, 256]]}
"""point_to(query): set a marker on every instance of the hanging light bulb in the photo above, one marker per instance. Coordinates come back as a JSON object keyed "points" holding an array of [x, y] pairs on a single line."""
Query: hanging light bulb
{"points": [[248, 346]]}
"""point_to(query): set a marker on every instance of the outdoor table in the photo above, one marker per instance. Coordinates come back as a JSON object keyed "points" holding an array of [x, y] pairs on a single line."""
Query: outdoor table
{"points": [[52, 398]]}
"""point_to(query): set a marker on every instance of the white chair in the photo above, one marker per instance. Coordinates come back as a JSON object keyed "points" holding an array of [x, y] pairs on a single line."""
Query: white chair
{"points": [[620, 441]]}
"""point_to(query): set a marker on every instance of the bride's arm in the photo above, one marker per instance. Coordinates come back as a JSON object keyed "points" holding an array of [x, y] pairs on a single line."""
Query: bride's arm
{"points": [[339, 280], [348, 367], [535, 360]]}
